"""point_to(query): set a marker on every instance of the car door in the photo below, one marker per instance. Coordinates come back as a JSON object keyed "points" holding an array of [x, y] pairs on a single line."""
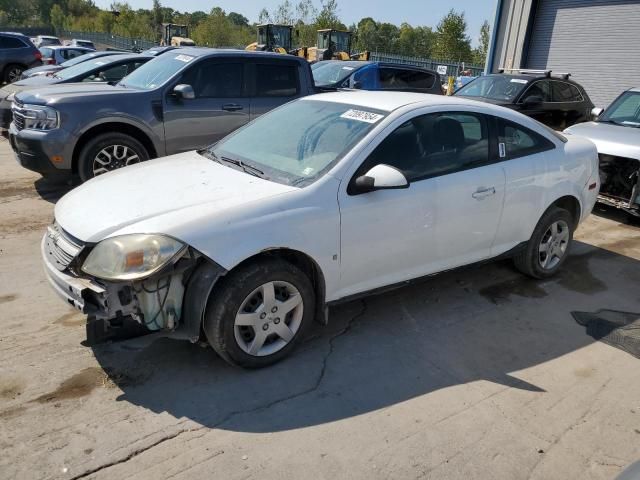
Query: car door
{"points": [[220, 105], [447, 217], [537, 102], [272, 84], [569, 104]]}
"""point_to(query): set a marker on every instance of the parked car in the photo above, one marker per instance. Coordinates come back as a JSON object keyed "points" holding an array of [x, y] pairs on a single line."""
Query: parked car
{"points": [[17, 54], [82, 43], [250, 239], [106, 70], [177, 102], [616, 133], [55, 55], [158, 50], [50, 69], [556, 101], [375, 76], [44, 40]]}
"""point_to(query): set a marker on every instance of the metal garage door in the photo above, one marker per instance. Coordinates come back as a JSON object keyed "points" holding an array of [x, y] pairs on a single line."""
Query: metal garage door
{"points": [[595, 40]]}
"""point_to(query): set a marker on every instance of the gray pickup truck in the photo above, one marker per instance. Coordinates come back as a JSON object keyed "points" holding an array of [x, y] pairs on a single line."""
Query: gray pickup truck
{"points": [[180, 101]]}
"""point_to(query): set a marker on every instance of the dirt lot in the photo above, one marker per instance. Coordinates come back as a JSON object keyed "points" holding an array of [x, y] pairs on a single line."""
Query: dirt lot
{"points": [[478, 373]]}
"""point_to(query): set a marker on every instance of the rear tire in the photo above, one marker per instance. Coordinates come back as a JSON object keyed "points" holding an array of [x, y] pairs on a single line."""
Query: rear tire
{"points": [[549, 245], [248, 329], [12, 73], [107, 152]]}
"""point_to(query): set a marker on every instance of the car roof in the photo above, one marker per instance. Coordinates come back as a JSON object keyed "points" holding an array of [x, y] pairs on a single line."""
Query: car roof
{"points": [[634, 89], [62, 47], [125, 56], [16, 34], [389, 101], [206, 51], [47, 36]]}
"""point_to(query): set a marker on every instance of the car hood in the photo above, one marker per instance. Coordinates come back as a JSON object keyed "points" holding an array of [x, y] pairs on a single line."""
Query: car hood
{"points": [[43, 68], [610, 139], [184, 191], [68, 91]]}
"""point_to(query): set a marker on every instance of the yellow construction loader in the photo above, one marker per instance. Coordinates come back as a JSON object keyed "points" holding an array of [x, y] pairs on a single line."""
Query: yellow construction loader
{"points": [[334, 45], [176, 35], [272, 38]]}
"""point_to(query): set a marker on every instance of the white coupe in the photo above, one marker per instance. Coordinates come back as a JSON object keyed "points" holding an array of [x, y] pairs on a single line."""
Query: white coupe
{"points": [[323, 199]]}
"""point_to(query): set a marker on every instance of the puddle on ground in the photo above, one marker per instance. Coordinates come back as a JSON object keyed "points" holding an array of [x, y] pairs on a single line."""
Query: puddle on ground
{"points": [[575, 275], [71, 319], [8, 298], [521, 286], [79, 385]]}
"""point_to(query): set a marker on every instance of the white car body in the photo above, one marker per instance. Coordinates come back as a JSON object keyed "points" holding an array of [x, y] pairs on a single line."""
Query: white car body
{"points": [[359, 243]]}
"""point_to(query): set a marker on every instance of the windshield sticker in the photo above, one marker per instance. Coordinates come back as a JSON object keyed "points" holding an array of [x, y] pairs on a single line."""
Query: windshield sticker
{"points": [[518, 80], [307, 171], [368, 117], [184, 58], [347, 68]]}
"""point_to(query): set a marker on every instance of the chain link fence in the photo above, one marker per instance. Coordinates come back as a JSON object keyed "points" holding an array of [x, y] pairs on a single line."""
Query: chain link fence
{"points": [[111, 40], [444, 67]]}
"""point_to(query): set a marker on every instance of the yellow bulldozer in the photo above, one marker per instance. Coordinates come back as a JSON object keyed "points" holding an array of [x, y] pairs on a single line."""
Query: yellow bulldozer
{"points": [[334, 44], [176, 35], [272, 38]]}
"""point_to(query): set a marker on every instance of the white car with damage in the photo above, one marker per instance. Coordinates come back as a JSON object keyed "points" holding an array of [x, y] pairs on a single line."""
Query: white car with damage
{"points": [[321, 200]]}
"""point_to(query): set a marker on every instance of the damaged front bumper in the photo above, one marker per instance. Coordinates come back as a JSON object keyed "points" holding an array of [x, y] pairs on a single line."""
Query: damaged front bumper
{"points": [[174, 300], [620, 183]]}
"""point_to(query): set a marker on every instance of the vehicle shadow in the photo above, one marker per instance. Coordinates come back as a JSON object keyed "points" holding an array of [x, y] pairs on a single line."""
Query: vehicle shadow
{"points": [[53, 189], [484, 322]]}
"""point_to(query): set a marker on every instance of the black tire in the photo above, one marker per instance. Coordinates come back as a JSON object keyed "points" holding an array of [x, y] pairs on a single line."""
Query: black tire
{"points": [[12, 73], [106, 141], [528, 260], [229, 294]]}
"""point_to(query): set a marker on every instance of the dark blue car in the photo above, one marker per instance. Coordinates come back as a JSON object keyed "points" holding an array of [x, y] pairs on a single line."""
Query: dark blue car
{"points": [[375, 76]]}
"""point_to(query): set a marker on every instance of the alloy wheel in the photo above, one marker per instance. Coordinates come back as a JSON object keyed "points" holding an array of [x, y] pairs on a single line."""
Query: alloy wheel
{"points": [[14, 74], [553, 245], [112, 158], [268, 318]]}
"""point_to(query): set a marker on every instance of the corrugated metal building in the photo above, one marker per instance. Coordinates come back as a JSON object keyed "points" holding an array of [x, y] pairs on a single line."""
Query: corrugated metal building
{"points": [[597, 41]]}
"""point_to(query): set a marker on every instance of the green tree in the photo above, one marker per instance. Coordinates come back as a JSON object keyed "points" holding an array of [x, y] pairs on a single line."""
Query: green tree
{"points": [[328, 15], [480, 53], [57, 17], [452, 42], [238, 20]]}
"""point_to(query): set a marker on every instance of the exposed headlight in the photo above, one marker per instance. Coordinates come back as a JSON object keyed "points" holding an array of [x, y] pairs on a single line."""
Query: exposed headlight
{"points": [[37, 117], [131, 257]]}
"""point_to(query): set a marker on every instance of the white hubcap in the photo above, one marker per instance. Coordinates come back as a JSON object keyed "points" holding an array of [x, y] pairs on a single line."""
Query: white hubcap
{"points": [[553, 245], [268, 318]]}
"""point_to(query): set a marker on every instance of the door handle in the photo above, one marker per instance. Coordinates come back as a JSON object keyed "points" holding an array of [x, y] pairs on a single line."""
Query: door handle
{"points": [[483, 192], [232, 107]]}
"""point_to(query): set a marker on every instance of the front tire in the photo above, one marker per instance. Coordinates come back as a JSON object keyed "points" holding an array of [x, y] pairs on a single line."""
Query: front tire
{"points": [[107, 152], [549, 245], [257, 314]]}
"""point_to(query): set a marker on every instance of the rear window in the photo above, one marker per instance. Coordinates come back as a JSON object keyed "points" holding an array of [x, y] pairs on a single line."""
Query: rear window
{"points": [[46, 52], [276, 80], [565, 92], [11, 42], [400, 79]]}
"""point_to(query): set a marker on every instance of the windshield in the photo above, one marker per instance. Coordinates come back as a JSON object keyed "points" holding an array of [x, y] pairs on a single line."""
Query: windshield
{"points": [[80, 59], [494, 88], [156, 72], [625, 110], [82, 68], [329, 73], [298, 142]]}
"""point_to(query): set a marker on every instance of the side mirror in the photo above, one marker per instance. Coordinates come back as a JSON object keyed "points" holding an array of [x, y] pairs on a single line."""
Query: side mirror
{"points": [[532, 100], [381, 177], [596, 112], [184, 92], [357, 84]]}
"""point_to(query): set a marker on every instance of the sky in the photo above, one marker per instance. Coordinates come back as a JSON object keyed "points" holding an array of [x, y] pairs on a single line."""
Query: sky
{"points": [[414, 12]]}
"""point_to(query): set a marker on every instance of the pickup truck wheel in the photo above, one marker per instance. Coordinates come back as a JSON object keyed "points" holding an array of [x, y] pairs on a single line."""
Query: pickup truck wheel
{"points": [[107, 152], [548, 247], [257, 314], [12, 73]]}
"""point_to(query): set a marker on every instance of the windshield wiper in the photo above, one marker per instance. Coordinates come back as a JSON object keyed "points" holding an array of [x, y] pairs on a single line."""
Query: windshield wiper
{"points": [[250, 169]]}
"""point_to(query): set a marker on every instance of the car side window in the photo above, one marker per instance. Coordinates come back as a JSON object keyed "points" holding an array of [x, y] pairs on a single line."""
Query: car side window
{"points": [[215, 79], [433, 145], [540, 89], [565, 92], [276, 80], [71, 53], [113, 74], [519, 141], [11, 42], [397, 78]]}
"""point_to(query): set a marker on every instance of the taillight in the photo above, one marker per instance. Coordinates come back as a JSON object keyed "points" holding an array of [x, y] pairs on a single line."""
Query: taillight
{"points": [[38, 55]]}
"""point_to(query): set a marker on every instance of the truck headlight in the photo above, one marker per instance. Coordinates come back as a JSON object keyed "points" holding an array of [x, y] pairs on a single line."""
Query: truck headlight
{"points": [[37, 117], [131, 257]]}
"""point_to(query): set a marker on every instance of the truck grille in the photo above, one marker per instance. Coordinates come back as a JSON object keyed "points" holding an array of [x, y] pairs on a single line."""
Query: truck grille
{"points": [[60, 247], [18, 115]]}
